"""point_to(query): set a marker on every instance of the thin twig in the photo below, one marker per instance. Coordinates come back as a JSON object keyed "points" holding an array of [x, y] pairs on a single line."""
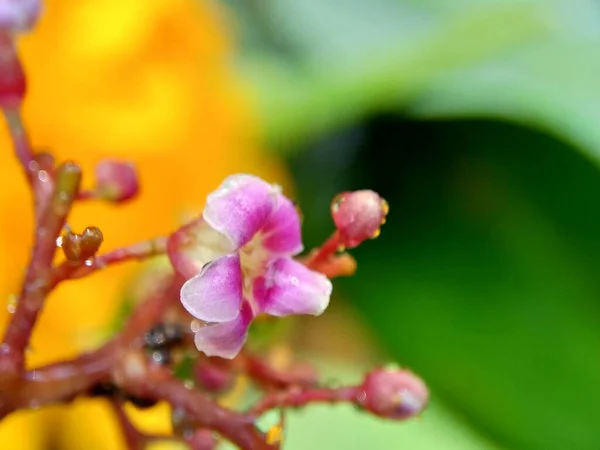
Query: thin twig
{"points": [[38, 280], [138, 251], [297, 397]]}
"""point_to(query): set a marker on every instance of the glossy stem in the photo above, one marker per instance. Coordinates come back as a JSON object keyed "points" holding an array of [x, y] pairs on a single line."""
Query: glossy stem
{"points": [[20, 142], [138, 251], [323, 253], [298, 397], [38, 280]]}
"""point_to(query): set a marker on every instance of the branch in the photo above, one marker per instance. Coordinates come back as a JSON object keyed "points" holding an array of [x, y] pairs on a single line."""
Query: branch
{"points": [[296, 397], [137, 251], [268, 377], [64, 380], [138, 377], [38, 280]]}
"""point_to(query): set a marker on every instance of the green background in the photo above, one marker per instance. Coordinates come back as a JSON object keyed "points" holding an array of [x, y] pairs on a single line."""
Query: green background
{"points": [[479, 122]]}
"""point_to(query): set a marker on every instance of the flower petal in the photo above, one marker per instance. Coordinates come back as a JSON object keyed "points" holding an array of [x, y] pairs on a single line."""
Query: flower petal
{"points": [[240, 207], [289, 287], [225, 339], [215, 294], [281, 232], [194, 245]]}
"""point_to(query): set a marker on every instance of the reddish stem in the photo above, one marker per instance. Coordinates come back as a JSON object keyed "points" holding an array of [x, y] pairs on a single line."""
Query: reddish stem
{"points": [[268, 377], [38, 280], [137, 251], [21, 143], [134, 438], [297, 397], [64, 380], [323, 253], [156, 383]]}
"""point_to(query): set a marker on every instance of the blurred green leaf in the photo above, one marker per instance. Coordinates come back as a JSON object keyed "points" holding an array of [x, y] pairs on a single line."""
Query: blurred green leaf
{"points": [[485, 278], [320, 66], [330, 427]]}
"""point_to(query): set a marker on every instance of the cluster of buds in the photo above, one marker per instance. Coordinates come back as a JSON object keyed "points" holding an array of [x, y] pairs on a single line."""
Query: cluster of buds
{"points": [[185, 340]]}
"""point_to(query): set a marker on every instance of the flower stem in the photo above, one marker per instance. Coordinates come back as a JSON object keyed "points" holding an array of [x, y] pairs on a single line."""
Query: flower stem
{"points": [[20, 142], [38, 281], [297, 397], [138, 251], [323, 253], [265, 375], [155, 382], [328, 261]]}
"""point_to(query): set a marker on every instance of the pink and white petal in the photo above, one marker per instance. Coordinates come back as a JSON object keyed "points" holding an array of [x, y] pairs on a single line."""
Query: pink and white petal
{"points": [[289, 287], [240, 207], [215, 294], [225, 339], [281, 232], [194, 245]]}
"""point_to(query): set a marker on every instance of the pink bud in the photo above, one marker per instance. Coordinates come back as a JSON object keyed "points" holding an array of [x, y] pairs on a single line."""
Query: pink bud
{"points": [[202, 440], [19, 15], [394, 394], [12, 77], [358, 216], [116, 181]]}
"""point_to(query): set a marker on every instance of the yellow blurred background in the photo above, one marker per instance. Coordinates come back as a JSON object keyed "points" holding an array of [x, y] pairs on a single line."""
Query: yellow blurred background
{"points": [[141, 80]]}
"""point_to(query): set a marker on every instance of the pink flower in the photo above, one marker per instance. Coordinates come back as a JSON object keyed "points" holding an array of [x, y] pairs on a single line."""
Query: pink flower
{"points": [[237, 259]]}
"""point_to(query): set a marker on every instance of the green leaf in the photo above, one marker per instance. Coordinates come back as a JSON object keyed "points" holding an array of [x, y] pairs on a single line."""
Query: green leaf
{"points": [[321, 66], [329, 427], [485, 277], [347, 58]]}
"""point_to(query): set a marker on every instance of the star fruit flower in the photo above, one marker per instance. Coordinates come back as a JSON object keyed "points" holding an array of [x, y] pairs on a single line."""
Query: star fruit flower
{"points": [[238, 261]]}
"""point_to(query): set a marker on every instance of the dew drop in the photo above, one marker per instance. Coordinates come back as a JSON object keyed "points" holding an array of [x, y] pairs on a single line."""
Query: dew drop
{"points": [[59, 241], [4, 349], [189, 384], [195, 326], [43, 176], [88, 262], [33, 166], [361, 397], [157, 357]]}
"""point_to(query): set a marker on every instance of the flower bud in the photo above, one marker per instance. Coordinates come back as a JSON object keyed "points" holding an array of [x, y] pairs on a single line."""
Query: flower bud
{"points": [[80, 247], [394, 394], [358, 216], [12, 77], [116, 181], [202, 440]]}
